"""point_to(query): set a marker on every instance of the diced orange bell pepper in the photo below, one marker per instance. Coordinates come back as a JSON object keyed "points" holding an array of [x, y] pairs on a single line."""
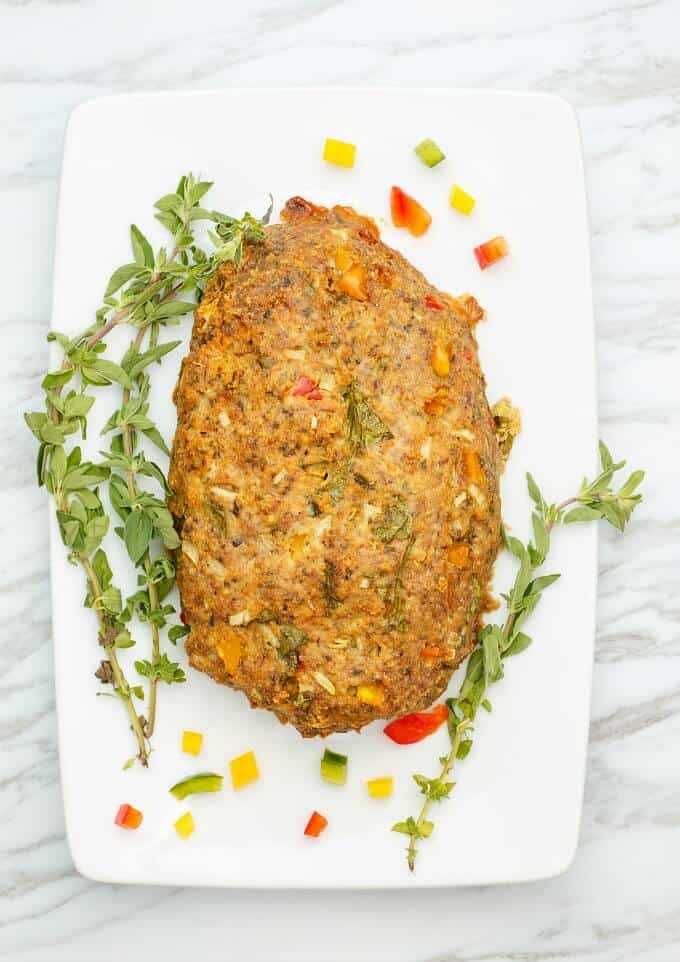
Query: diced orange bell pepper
{"points": [[492, 251], [438, 404], [457, 555], [473, 466], [343, 259], [128, 817], [433, 302], [316, 824], [408, 213], [353, 282], [229, 650], [431, 653], [413, 728], [440, 360]]}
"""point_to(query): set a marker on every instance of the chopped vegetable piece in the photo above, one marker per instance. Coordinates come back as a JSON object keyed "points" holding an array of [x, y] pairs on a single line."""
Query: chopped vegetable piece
{"points": [[458, 555], [507, 425], [363, 426], [441, 362], [380, 787], [460, 200], [185, 825], [343, 259], [353, 282], [408, 213], [192, 743], [413, 728], [434, 303], [338, 152], [244, 770], [315, 825], [306, 387], [128, 817], [438, 404], [492, 251], [334, 767], [431, 653], [429, 153], [473, 466], [197, 785], [229, 650], [371, 694]]}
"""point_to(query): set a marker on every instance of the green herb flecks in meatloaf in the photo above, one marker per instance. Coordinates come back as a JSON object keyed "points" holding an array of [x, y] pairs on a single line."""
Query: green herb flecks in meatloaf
{"points": [[337, 499]]}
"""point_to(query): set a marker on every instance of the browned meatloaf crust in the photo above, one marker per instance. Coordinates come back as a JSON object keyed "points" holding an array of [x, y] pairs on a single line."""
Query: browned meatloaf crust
{"points": [[336, 544]]}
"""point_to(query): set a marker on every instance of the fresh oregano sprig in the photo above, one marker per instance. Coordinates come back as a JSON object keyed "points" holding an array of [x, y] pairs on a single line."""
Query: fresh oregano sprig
{"points": [[149, 293], [596, 500]]}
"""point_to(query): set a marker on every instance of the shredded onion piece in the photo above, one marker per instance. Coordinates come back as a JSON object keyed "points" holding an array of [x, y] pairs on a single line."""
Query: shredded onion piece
{"points": [[325, 683], [240, 618], [191, 551]]}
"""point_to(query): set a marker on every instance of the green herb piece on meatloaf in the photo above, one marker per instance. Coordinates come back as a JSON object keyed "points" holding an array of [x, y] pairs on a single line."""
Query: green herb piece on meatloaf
{"points": [[291, 639], [395, 522], [332, 600], [394, 595], [363, 426], [218, 518], [335, 482]]}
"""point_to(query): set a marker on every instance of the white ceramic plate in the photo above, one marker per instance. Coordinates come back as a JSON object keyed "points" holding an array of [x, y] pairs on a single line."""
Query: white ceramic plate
{"points": [[515, 813]]}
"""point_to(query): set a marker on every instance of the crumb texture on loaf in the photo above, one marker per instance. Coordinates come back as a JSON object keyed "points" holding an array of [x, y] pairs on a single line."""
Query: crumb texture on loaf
{"points": [[335, 476]]}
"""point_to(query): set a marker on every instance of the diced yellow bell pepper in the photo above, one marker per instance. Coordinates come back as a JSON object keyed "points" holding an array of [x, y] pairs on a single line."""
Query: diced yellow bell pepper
{"points": [[460, 200], [380, 787], [192, 743], [339, 152], [185, 825], [244, 770], [371, 694]]}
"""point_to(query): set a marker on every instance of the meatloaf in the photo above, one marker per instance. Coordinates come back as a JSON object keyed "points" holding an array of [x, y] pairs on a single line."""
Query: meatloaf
{"points": [[334, 475]]}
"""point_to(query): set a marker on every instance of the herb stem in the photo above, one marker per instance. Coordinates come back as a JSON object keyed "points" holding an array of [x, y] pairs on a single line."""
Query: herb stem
{"points": [[153, 592], [448, 762], [120, 683]]}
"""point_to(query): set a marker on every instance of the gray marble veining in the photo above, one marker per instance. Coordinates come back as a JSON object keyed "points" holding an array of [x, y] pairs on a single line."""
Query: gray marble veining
{"points": [[618, 62]]}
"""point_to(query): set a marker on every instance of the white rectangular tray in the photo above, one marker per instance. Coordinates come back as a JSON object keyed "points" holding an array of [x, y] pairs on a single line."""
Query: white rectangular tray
{"points": [[515, 814]]}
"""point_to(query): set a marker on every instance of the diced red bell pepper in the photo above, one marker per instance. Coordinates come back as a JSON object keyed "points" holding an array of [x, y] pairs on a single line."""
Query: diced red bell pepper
{"points": [[408, 213], [413, 728], [128, 817], [315, 825], [492, 251], [433, 302], [182, 617], [305, 387]]}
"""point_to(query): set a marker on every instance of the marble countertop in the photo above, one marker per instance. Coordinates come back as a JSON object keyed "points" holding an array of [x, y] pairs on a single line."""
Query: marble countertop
{"points": [[617, 62]]}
